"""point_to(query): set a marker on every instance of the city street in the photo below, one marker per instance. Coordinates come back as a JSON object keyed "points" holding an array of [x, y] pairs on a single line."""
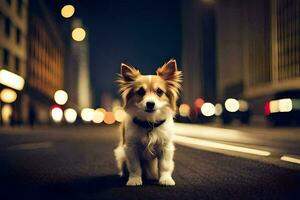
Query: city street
{"points": [[210, 163]]}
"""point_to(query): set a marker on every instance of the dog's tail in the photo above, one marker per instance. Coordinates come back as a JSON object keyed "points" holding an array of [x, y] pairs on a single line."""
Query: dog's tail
{"points": [[120, 158]]}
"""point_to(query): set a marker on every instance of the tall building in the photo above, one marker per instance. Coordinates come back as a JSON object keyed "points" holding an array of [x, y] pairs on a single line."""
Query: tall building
{"points": [[45, 63], [258, 48], [77, 75], [13, 53], [198, 50]]}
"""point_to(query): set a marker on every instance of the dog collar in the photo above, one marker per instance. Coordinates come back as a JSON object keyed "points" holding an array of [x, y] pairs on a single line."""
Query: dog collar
{"points": [[147, 124]]}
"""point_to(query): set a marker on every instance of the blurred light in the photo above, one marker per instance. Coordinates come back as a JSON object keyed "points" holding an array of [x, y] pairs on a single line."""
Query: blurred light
{"points": [[56, 114], [119, 115], [6, 113], [109, 118], [116, 104], [208, 109], [193, 142], [12, 80], [67, 11], [267, 110], [70, 115], [60, 97], [274, 107], [87, 114], [184, 110], [78, 34], [198, 103], [285, 105], [290, 159], [232, 105], [8, 95], [218, 109], [98, 116], [243, 106]]}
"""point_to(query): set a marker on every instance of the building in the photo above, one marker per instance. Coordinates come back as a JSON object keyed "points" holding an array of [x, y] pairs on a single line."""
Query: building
{"points": [[13, 54], [258, 49], [198, 50], [77, 75], [45, 63]]}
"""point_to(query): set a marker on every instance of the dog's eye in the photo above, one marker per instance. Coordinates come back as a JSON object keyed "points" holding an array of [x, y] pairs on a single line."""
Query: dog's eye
{"points": [[141, 92], [159, 92]]}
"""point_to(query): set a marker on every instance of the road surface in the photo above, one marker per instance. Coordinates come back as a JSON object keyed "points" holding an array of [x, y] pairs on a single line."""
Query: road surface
{"points": [[78, 163]]}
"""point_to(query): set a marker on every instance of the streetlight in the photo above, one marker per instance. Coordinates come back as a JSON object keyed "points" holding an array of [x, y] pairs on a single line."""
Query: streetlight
{"points": [[11, 80], [56, 114], [67, 11], [8, 95], [70, 115], [87, 114], [60, 97], [78, 34]]}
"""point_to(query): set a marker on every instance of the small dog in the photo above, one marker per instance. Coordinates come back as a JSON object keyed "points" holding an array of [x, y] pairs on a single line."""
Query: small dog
{"points": [[146, 147]]}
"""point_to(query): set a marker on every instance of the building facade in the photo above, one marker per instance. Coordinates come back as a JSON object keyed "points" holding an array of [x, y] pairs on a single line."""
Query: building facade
{"points": [[45, 63], [258, 48], [198, 50], [13, 51]]}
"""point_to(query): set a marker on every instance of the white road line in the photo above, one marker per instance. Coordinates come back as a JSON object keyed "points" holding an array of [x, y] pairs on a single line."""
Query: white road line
{"points": [[290, 159], [31, 146], [215, 145]]}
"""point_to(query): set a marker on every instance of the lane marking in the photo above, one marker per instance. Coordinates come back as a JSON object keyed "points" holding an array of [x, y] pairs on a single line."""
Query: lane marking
{"points": [[290, 159], [215, 145], [31, 146]]}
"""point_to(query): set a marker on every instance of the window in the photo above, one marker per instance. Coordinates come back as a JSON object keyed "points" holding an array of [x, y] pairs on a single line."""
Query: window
{"points": [[17, 65], [18, 36], [19, 7], [5, 57], [7, 26]]}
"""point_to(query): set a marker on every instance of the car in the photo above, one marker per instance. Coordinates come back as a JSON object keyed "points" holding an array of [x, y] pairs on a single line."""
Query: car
{"points": [[283, 108]]}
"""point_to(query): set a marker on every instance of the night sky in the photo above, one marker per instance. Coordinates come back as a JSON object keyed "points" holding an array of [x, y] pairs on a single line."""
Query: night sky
{"points": [[141, 33]]}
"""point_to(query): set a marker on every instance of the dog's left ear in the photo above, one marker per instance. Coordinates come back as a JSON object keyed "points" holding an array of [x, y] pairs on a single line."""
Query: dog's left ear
{"points": [[173, 79], [167, 70]]}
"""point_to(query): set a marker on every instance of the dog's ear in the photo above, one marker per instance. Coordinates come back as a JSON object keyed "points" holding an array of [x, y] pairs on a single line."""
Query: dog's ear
{"points": [[173, 79], [128, 73], [167, 70]]}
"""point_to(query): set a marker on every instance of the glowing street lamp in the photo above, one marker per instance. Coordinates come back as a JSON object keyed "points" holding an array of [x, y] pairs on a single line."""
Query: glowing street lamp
{"points": [[99, 115], [67, 11], [208, 109], [61, 97], [56, 114], [70, 115], [78, 34], [87, 114], [11, 80], [8, 95]]}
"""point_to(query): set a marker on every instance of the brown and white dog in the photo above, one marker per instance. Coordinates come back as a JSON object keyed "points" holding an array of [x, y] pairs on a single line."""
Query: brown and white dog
{"points": [[148, 128]]}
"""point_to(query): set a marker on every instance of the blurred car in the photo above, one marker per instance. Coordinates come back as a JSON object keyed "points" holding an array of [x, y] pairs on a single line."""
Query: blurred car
{"points": [[235, 110], [283, 108]]}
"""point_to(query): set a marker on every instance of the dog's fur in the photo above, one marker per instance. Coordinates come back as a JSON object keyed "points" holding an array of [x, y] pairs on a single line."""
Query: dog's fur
{"points": [[142, 150]]}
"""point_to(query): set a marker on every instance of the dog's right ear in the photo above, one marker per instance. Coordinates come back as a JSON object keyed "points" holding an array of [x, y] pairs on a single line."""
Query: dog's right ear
{"points": [[129, 73]]}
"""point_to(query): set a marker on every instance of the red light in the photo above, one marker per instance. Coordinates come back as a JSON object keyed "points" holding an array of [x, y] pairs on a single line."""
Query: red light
{"points": [[55, 106], [267, 110], [198, 103]]}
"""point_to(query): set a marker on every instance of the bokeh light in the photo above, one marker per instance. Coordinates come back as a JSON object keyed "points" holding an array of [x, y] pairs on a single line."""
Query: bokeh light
{"points": [[184, 110], [56, 114], [119, 115], [285, 105], [11, 80], [208, 109], [243, 106], [87, 114], [60, 97], [67, 11], [198, 103], [109, 118], [232, 105], [8, 95], [70, 115], [99, 115], [78, 34], [6, 113], [218, 109]]}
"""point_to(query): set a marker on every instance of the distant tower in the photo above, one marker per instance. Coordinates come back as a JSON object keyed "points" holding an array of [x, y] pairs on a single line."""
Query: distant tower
{"points": [[79, 84]]}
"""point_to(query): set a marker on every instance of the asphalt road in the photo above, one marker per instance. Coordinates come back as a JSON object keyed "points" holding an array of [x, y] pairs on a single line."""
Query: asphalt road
{"points": [[78, 163]]}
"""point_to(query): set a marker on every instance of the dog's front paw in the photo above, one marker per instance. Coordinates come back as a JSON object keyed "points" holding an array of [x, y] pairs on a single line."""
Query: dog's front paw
{"points": [[166, 181], [134, 181]]}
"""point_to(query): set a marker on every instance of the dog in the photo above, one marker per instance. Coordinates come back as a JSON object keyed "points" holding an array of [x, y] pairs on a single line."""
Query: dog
{"points": [[146, 147]]}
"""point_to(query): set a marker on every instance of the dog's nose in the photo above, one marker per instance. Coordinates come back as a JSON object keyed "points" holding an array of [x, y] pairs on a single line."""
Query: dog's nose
{"points": [[150, 105]]}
